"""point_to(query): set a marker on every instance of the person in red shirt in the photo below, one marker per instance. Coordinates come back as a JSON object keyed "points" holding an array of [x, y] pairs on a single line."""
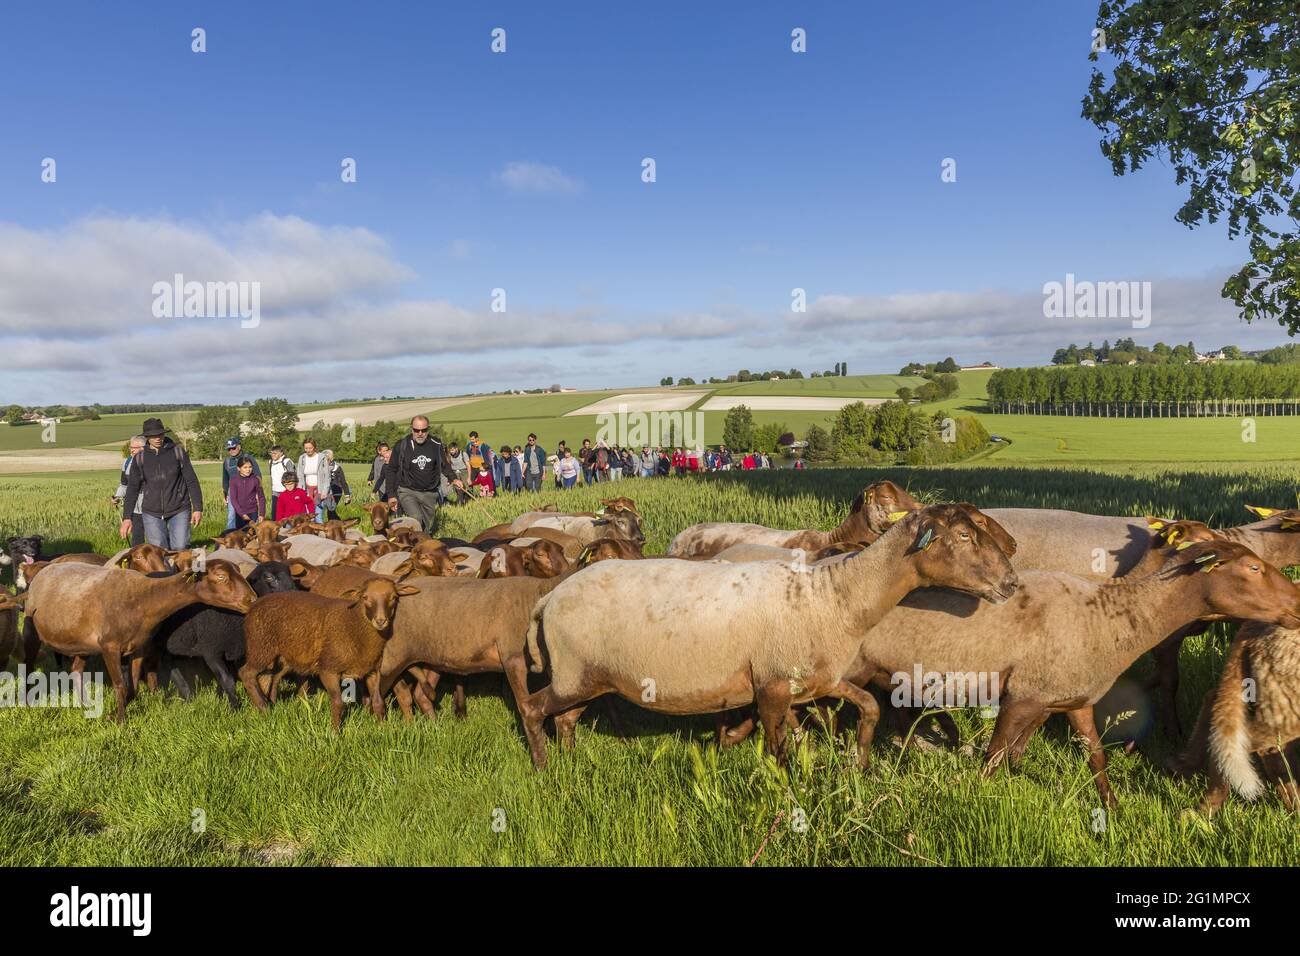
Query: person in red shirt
{"points": [[486, 486], [679, 462], [748, 462], [293, 500]]}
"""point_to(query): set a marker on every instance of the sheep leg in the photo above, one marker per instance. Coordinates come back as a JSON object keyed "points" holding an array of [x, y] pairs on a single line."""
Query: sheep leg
{"points": [[78, 682], [116, 673], [279, 676], [31, 643], [1283, 777], [868, 714], [249, 675], [403, 695], [1082, 723], [516, 669], [1166, 655], [1218, 789], [458, 701], [773, 700], [730, 736], [1016, 723], [565, 724], [546, 703], [333, 684], [219, 671], [376, 698]]}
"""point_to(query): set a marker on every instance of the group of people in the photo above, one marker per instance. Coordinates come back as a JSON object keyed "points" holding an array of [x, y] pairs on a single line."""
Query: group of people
{"points": [[487, 472], [161, 500]]}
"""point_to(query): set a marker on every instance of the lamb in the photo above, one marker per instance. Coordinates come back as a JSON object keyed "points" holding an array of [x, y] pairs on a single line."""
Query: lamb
{"points": [[1062, 642], [1255, 709], [746, 658], [331, 638], [217, 635], [316, 550], [871, 513], [80, 610]]}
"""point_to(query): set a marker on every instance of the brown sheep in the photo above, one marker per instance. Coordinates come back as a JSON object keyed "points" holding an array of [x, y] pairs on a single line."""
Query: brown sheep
{"points": [[540, 559], [431, 636], [305, 573], [234, 540], [80, 610], [330, 638]]}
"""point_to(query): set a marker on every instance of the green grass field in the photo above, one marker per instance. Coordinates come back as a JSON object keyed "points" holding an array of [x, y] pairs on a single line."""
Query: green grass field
{"points": [[282, 788]]}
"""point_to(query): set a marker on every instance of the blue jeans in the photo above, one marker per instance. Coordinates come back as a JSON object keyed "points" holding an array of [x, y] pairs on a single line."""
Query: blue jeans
{"points": [[533, 481], [172, 533], [230, 515], [570, 481]]}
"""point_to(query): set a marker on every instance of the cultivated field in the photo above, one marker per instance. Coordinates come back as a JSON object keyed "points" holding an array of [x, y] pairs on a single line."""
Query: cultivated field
{"points": [[370, 412], [282, 788]]}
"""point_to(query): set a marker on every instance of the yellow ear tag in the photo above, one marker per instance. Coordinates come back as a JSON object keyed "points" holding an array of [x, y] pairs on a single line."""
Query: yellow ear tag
{"points": [[1155, 524], [1290, 523], [1210, 567], [1262, 512], [1172, 534], [897, 515], [1183, 544]]}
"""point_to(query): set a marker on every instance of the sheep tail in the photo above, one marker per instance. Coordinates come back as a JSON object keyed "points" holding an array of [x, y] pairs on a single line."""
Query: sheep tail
{"points": [[534, 643], [1229, 737]]}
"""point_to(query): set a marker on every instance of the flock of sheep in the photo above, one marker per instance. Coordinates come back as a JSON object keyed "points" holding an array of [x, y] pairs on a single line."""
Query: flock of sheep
{"points": [[742, 621]]}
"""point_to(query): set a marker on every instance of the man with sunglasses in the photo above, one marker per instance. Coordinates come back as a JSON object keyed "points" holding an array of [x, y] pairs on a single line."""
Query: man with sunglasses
{"points": [[412, 474], [534, 463]]}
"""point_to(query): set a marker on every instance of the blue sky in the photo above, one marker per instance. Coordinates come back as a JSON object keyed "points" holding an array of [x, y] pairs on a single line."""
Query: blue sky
{"points": [[522, 170]]}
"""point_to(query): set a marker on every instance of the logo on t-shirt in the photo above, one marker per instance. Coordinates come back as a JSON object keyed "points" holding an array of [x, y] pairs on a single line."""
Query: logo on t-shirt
{"points": [[422, 461]]}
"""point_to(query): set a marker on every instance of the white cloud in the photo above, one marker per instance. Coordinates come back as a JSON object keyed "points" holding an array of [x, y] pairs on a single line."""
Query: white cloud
{"points": [[525, 177]]}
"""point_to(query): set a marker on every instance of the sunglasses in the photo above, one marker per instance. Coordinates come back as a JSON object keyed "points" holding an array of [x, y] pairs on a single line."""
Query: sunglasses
{"points": [[420, 431]]}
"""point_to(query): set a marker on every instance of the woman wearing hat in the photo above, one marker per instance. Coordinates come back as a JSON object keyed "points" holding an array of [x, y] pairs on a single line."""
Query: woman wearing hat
{"points": [[162, 480]]}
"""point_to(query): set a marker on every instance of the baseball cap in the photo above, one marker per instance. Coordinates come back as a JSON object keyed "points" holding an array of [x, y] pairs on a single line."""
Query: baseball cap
{"points": [[232, 443]]}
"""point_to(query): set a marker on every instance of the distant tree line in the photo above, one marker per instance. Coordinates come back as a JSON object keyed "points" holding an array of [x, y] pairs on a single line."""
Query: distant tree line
{"points": [[1128, 352], [1148, 391], [931, 368]]}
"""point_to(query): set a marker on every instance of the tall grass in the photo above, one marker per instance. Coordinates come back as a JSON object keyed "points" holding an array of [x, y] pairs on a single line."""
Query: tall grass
{"points": [[282, 788]]}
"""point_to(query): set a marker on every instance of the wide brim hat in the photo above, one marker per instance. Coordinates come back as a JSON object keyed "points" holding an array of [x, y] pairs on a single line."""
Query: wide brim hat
{"points": [[153, 427]]}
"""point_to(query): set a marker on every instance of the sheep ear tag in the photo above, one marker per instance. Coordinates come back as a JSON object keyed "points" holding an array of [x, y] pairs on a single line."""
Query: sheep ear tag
{"points": [[1290, 524], [1182, 545], [1155, 524], [925, 540], [1261, 512], [1210, 560], [897, 515]]}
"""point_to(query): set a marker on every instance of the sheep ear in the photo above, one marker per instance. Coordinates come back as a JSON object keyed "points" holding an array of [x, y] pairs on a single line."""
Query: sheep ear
{"points": [[990, 527], [600, 521], [1209, 560], [1182, 545], [1261, 512], [1155, 524], [352, 594], [349, 522], [406, 590], [458, 556]]}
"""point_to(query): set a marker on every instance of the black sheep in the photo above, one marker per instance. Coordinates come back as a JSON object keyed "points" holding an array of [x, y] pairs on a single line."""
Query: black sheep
{"points": [[217, 635]]}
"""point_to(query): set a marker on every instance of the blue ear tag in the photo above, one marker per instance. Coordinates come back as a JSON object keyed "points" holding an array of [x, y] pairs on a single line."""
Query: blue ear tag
{"points": [[926, 539]]}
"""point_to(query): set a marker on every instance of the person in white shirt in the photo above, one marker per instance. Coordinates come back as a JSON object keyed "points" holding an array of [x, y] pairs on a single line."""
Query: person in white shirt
{"points": [[314, 475], [277, 467]]}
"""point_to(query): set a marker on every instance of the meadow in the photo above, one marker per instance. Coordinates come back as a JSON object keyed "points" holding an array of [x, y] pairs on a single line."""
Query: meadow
{"points": [[282, 788]]}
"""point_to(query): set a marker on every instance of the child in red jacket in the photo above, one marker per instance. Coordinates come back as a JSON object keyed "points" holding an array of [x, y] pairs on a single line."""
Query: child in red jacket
{"points": [[486, 485], [293, 500]]}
